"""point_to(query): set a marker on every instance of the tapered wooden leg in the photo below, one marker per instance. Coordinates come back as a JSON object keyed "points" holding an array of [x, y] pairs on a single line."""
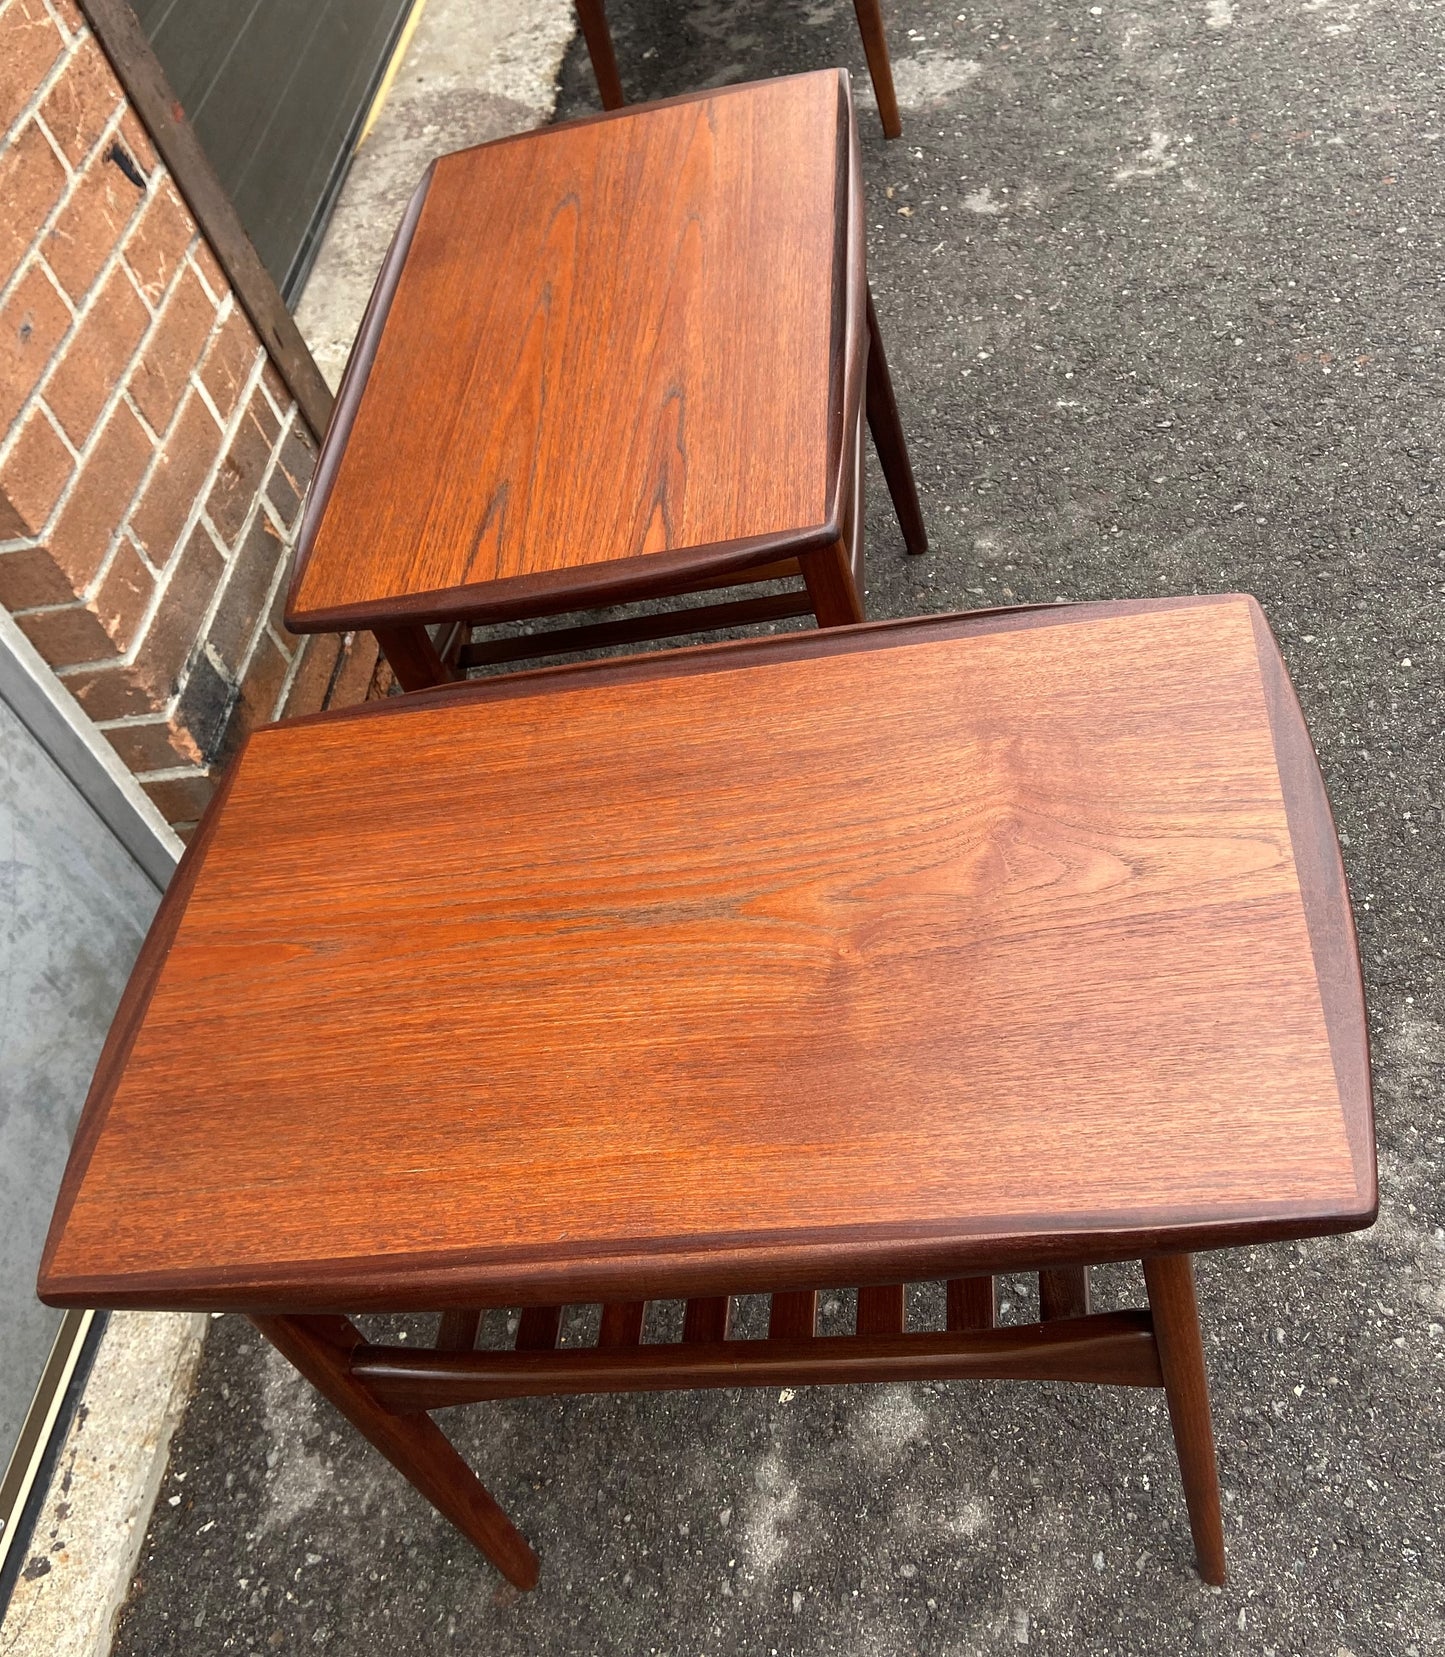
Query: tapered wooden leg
{"points": [[413, 657], [1064, 1293], [592, 15], [458, 1332], [832, 590], [888, 439], [972, 1303], [320, 1347], [1170, 1280], [875, 46]]}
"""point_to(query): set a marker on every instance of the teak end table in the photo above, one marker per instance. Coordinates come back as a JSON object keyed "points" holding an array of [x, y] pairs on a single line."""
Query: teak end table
{"points": [[737, 969], [621, 359]]}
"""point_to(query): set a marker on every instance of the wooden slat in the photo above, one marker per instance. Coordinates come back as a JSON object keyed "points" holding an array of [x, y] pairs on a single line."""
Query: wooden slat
{"points": [[706, 1319], [880, 1310], [661, 624], [621, 1323], [972, 1303], [539, 1328], [458, 1332], [794, 1316], [139, 72], [1114, 1348], [1064, 1292]]}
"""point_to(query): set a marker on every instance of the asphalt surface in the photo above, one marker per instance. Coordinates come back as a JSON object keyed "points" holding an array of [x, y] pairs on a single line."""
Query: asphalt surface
{"points": [[1161, 289]]}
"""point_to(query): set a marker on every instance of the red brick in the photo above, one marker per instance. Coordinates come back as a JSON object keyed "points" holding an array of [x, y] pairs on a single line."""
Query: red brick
{"points": [[148, 684], [242, 470], [102, 626], [32, 181], [175, 485], [260, 691], [91, 225], [156, 247], [353, 680], [29, 579], [383, 681], [67, 636], [290, 642], [159, 379], [31, 325], [33, 477], [248, 586], [181, 799], [93, 364], [138, 143], [291, 475], [69, 14], [209, 269], [81, 103], [229, 361], [124, 596], [271, 379], [97, 505], [313, 678], [31, 44], [154, 745]]}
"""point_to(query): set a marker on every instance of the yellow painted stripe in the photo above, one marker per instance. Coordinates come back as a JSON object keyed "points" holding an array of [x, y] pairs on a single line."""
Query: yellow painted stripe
{"points": [[393, 69]]}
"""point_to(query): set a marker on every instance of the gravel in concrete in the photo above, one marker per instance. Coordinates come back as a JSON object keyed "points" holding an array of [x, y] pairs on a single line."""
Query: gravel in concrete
{"points": [[1161, 286]]}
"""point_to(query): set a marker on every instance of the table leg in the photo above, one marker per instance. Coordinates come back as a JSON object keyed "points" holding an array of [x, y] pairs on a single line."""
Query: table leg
{"points": [[320, 1347], [1170, 1280], [592, 15], [875, 48], [413, 657], [832, 590], [888, 439]]}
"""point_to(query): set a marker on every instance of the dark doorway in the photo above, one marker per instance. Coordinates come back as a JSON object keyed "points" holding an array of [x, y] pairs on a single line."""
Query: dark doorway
{"points": [[276, 91]]}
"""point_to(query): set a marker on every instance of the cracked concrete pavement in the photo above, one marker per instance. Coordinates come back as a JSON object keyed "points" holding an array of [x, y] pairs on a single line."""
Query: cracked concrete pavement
{"points": [[1161, 286]]}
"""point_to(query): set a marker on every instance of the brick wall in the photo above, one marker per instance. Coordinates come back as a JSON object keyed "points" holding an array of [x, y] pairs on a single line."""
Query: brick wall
{"points": [[152, 461]]}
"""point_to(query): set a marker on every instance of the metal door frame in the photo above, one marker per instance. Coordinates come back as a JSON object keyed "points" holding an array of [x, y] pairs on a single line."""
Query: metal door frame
{"points": [[57, 722]]}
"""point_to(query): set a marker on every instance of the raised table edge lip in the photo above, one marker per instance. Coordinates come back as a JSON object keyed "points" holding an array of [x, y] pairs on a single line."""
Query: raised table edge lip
{"points": [[622, 579], [421, 1281]]}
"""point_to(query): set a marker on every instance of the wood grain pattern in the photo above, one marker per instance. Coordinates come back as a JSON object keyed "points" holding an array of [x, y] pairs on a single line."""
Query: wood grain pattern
{"points": [[794, 1316], [741, 968], [972, 1303], [880, 1309], [458, 1331], [1064, 1292], [610, 340]]}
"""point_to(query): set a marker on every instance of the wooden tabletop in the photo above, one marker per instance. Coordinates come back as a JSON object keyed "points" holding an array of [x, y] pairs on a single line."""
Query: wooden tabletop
{"points": [[876, 953], [619, 342]]}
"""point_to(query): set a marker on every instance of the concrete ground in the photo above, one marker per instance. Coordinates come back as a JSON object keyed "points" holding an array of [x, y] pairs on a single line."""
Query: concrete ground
{"points": [[1161, 286]]}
